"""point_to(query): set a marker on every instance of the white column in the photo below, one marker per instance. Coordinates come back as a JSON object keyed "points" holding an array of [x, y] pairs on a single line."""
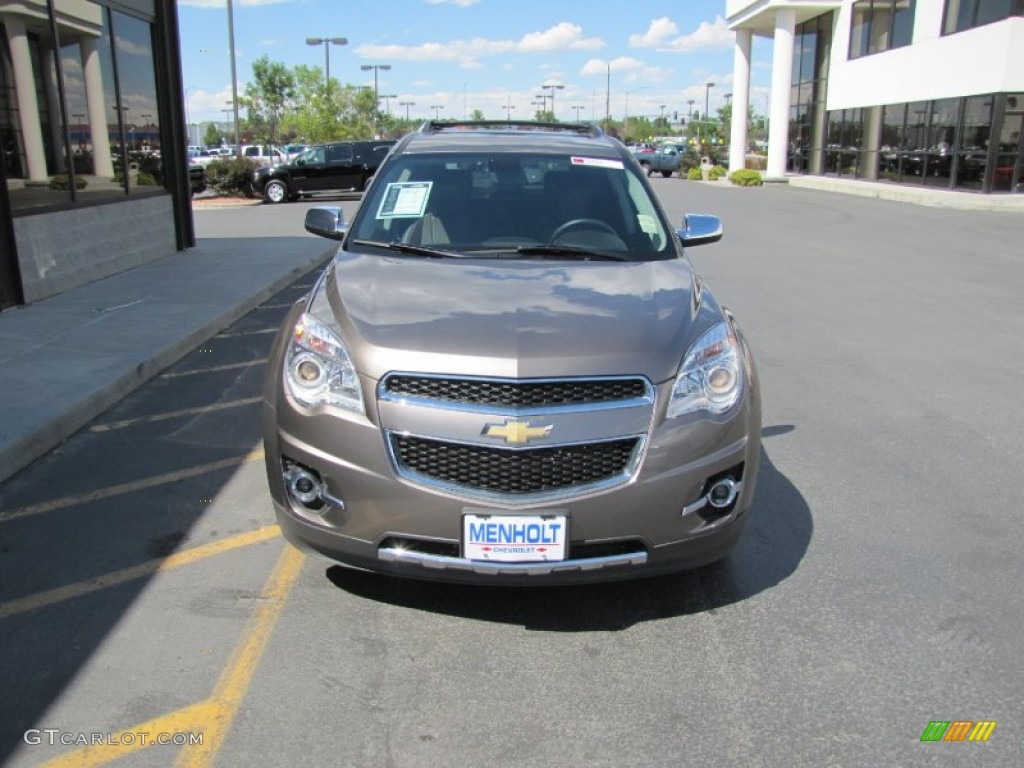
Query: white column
{"points": [[93, 74], [51, 91], [782, 77], [740, 100], [28, 105]]}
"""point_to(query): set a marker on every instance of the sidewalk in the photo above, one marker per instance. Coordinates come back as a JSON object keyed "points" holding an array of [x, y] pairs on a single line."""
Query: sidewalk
{"points": [[65, 360]]}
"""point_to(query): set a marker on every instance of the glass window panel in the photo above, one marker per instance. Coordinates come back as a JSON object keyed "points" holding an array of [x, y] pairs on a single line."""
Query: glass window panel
{"points": [[137, 73], [994, 10], [891, 141], [35, 156], [88, 67], [902, 23], [798, 46], [859, 28], [972, 155], [808, 55], [881, 18]]}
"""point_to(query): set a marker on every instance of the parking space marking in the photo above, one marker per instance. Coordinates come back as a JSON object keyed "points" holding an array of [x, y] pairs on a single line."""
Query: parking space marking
{"points": [[110, 425], [234, 681], [212, 369], [214, 715], [134, 485], [158, 565]]}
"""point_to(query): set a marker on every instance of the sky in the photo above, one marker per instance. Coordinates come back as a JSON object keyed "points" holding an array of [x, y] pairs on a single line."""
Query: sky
{"points": [[463, 55]]}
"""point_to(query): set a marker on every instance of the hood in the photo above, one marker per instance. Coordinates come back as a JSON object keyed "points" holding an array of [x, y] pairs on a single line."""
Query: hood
{"points": [[516, 319]]}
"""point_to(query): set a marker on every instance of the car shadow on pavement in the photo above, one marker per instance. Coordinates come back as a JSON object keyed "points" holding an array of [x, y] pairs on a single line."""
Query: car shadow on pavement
{"points": [[770, 550]]}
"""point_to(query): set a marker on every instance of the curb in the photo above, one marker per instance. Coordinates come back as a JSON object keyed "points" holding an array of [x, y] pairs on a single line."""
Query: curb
{"points": [[26, 448]]}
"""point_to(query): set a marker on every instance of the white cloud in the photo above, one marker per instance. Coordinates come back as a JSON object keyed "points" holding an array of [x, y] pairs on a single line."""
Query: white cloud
{"points": [[460, 3], [621, 64], [561, 37], [656, 34], [714, 36], [422, 83]]}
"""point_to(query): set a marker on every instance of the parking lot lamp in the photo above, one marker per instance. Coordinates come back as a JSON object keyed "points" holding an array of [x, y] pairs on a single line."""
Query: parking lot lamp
{"points": [[327, 42]]}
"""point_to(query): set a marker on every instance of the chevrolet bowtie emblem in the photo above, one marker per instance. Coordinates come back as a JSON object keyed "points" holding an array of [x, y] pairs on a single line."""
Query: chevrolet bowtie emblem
{"points": [[516, 432]]}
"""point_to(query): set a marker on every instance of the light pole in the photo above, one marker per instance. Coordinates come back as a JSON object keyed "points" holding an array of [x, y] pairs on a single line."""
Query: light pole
{"points": [[508, 111], [407, 104], [553, 88], [327, 42], [376, 97], [234, 78], [387, 101], [437, 110], [577, 107], [707, 92], [543, 101]]}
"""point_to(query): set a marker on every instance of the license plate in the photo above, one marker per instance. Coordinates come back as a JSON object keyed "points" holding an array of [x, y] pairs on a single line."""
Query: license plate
{"points": [[514, 538]]}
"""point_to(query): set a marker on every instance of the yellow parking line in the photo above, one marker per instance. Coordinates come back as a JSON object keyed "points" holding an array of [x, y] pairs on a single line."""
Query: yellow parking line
{"points": [[159, 565], [213, 716], [174, 414], [234, 681], [186, 720], [135, 485], [211, 369]]}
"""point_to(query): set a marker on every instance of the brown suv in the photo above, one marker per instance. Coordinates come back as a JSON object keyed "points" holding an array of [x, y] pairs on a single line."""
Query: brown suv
{"points": [[511, 373]]}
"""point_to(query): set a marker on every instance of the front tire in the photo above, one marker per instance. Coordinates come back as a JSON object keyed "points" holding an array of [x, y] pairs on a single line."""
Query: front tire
{"points": [[275, 192], [666, 174]]}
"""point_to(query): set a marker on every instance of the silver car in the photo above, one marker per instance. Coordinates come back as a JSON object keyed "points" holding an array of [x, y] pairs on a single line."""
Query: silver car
{"points": [[510, 372]]}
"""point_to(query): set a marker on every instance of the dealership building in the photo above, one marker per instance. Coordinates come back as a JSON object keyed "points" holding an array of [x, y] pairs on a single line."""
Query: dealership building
{"points": [[94, 178], [907, 92]]}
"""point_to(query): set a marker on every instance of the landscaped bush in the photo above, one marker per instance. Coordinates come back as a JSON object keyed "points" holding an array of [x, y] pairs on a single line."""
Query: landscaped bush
{"points": [[62, 182], [746, 178], [230, 177], [716, 172], [694, 174]]}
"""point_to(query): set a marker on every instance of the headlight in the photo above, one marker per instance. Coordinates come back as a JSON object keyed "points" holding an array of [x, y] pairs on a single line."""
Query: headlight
{"points": [[318, 368], [711, 376]]}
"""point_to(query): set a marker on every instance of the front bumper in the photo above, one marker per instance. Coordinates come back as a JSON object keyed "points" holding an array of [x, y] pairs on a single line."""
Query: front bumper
{"points": [[379, 521]]}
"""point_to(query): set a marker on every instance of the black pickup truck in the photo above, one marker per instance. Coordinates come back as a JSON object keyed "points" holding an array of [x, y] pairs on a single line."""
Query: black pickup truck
{"points": [[324, 168]]}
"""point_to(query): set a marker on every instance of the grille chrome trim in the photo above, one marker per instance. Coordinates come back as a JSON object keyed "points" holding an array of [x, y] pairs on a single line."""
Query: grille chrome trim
{"points": [[497, 408], [442, 562], [516, 499]]}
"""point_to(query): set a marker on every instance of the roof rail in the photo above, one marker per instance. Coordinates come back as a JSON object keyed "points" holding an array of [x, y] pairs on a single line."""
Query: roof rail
{"points": [[437, 126]]}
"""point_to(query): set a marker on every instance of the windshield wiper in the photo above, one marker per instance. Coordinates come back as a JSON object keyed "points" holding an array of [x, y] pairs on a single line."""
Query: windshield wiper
{"points": [[571, 252], [418, 250]]}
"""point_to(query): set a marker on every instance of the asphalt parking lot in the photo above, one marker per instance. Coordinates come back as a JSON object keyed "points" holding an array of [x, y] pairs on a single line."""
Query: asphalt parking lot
{"points": [[144, 588]]}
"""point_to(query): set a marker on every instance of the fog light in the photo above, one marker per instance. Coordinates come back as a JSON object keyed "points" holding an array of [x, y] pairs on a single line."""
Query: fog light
{"points": [[303, 486], [722, 493]]}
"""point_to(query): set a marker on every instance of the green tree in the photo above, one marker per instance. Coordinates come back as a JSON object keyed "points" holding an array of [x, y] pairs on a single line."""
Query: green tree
{"points": [[272, 89], [477, 114], [212, 137]]}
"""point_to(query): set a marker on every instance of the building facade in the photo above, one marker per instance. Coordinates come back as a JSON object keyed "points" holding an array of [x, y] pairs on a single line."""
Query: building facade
{"points": [[925, 92], [94, 176]]}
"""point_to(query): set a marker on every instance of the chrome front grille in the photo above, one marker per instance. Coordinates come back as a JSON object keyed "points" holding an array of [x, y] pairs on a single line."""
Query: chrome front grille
{"points": [[507, 393], [502, 471]]}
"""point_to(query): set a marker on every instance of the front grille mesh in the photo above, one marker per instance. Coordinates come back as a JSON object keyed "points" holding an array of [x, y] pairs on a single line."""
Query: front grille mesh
{"points": [[497, 470], [516, 394]]}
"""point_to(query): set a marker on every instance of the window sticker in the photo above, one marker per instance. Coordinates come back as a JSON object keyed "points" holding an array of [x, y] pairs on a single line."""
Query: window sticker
{"points": [[405, 198], [597, 162], [647, 224]]}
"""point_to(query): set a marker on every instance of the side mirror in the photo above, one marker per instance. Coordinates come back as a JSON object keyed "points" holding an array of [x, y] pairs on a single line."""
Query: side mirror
{"points": [[700, 229], [326, 222]]}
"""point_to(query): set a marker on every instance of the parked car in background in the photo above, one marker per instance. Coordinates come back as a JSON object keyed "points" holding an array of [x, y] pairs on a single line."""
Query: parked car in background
{"points": [[263, 154], [665, 160], [324, 168]]}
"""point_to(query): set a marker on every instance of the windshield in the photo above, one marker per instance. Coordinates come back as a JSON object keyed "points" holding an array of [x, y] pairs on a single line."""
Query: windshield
{"points": [[513, 203]]}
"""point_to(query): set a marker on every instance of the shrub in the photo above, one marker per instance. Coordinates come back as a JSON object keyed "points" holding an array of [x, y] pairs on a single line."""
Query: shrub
{"points": [[746, 178], [230, 177], [716, 172], [62, 182], [694, 174]]}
